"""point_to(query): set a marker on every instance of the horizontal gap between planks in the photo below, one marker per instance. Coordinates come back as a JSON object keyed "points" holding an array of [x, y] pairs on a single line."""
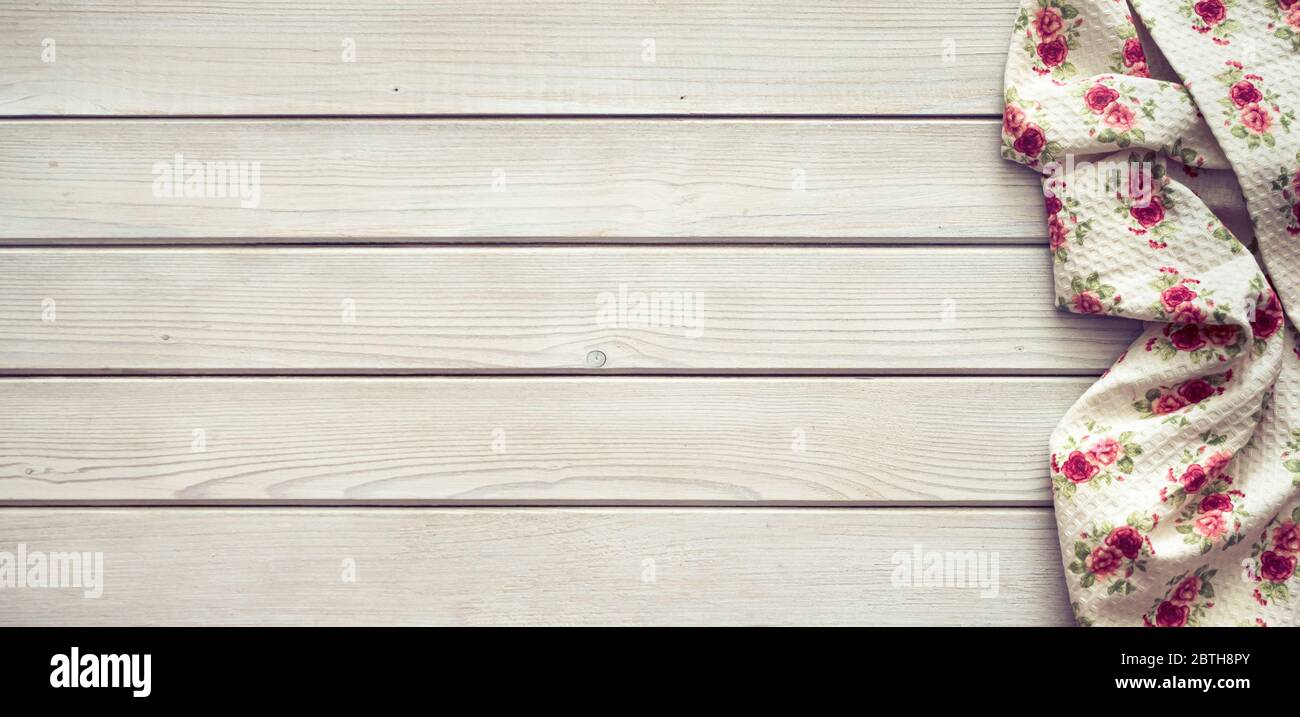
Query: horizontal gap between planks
{"points": [[505, 373], [202, 243], [504, 376], [532, 504], [507, 117]]}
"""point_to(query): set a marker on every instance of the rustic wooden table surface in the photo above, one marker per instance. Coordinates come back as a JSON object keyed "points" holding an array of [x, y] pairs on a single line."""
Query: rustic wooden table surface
{"points": [[525, 312]]}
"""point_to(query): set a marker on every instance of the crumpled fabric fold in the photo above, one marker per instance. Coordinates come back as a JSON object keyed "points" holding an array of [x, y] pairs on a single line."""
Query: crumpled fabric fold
{"points": [[1176, 477]]}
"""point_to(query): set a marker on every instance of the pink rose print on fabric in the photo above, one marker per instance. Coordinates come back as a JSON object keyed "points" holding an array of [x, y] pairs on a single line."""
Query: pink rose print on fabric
{"points": [[1286, 538], [1268, 316], [1127, 540], [1095, 459], [1111, 555], [1013, 120], [1171, 614], [1119, 118], [1024, 132], [1252, 112], [1276, 567], [1209, 508], [1133, 60], [1196, 390], [1048, 22], [1187, 600], [1150, 215], [1052, 52], [1184, 301], [1244, 93], [1116, 108], [1211, 12], [1213, 18], [1098, 97], [1091, 296], [1273, 560], [1286, 22], [1162, 401], [1201, 343], [1050, 32], [1256, 119], [1065, 227], [1031, 141]]}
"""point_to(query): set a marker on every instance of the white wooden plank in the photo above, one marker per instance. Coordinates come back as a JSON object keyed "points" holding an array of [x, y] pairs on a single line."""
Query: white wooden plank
{"points": [[510, 440], [538, 566], [587, 309], [492, 180], [508, 56], [326, 180]]}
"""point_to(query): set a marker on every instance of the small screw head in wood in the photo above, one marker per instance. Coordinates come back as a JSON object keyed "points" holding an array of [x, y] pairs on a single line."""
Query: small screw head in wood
{"points": [[596, 359]]}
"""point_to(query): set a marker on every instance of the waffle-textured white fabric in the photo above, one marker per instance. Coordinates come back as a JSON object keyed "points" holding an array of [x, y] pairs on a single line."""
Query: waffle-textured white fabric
{"points": [[1176, 477]]}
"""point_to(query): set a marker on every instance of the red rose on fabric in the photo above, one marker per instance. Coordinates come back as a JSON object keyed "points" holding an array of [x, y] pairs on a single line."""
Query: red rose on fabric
{"points": [[1175, 295], [1031, 141], [1087, 303], [1186, 592], [1287, 4], [1052, 204], [1105, 451], [1078, 469], [1187, 338], [1218, 462], [1118, 116], [1196, 390], [1215, 501], [1167, 403], [1048, 22], [1268, 317], [1256, 119], [1053, 52], [1276, 567], [1221, 334], [1171, 615], [1212, 12], [1150, 215], [1194, 478], [1098, 97], [1056, 233], [1286, 538], [1104, 560], [1244, 93], [1126, 540], [1188, 313], [1293, 17], [1013, 120], [1265, 325], [1210, 525], [1133, 54]]}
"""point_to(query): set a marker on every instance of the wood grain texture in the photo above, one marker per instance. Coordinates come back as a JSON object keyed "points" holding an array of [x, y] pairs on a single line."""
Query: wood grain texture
{"points": [[458, 497], [323, 180], [701, 309], [509, 440], [535, 566], [499, 180], [505, 57]]}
